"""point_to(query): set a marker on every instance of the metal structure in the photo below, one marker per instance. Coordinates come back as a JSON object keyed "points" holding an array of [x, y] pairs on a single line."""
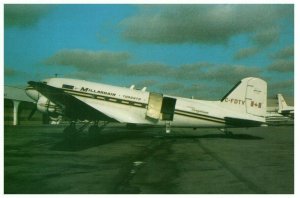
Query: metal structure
{"points": [[17, 95]]}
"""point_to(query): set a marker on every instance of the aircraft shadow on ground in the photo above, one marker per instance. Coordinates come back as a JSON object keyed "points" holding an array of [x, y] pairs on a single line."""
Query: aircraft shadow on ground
{"points": [[84, 142], [212, 136]]}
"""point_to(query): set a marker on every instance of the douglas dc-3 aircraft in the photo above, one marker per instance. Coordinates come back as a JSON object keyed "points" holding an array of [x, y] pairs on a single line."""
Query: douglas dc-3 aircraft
{"points": [[283, 108], [243, 106]]}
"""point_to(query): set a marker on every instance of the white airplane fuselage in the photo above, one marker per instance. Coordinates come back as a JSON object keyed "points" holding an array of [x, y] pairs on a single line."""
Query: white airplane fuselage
{"points": [[133, 106]]}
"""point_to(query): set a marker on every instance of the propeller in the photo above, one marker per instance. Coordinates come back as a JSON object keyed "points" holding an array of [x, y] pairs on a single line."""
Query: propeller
{"points": [[32, 113]]}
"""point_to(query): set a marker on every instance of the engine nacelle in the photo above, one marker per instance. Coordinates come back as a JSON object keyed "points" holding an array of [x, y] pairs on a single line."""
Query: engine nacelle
{"points": [[46, 106]]}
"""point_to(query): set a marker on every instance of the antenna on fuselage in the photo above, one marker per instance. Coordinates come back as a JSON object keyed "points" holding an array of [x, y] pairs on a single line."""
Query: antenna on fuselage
{"points": [[55, 75]]}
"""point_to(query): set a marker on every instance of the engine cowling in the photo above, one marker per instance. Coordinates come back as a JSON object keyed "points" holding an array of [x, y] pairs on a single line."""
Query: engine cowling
{"points": [[46, 106]]}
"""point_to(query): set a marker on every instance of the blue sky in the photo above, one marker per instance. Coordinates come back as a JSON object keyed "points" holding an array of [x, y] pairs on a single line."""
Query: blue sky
{"points": [[185, 50]]}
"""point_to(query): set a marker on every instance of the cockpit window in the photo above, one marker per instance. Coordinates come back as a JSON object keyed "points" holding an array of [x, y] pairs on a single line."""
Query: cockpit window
{"points": [[67, 86]]}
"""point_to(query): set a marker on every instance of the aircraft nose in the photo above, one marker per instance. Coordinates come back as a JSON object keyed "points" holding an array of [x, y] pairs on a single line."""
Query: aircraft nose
{"points": [[32, 92], [31, 83]]}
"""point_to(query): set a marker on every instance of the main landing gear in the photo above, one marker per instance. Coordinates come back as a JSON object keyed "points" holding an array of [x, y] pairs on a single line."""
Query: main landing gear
{"points": [[94, 130], [72, 132], [168, 127]]}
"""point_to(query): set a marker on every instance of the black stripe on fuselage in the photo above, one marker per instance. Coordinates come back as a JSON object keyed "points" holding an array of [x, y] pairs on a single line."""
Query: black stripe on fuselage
{"points": [[200, 116]]}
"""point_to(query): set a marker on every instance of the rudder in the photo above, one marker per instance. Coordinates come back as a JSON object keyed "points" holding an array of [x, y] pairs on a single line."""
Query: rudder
{"points": [[256, 97]]}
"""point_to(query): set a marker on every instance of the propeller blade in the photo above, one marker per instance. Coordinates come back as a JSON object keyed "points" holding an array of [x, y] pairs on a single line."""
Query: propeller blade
{"points": [[32, 113]]}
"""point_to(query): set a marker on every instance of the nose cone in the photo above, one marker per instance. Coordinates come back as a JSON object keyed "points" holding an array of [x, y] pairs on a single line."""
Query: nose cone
{"points": [[32, 93]]}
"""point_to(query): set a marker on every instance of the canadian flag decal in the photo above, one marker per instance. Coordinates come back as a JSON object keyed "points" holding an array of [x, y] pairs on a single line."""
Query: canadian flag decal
{"points": [[255, 104]]}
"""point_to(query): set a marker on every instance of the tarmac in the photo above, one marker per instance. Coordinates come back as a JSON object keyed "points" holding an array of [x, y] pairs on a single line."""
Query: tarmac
{"points": [[38, 160]]}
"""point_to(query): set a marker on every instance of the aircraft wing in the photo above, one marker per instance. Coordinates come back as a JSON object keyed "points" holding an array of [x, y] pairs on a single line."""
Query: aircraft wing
{"points": [[119, 114], [72, 106]]}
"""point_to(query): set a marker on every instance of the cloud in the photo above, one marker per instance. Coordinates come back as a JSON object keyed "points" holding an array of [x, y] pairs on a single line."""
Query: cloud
{"points": [[282, 84], [10, 72], [246, 53], [260, 40], [286, 87], [84, 75], [266, 37], [231, 73], [24, 15], [203, 80], [105, 62], [90, 61], [195, 90], [146, 83], [282, 65], [94, 64], [285, 53], [18, 77], [170, 87], [211, 24], [203, 91], [196, 71], [191, 71], [147, 69], [182, 89]]}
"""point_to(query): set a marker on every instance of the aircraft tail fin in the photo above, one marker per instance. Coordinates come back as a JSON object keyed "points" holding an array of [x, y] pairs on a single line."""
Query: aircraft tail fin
{"points": [[281, 102], [249, 96]]}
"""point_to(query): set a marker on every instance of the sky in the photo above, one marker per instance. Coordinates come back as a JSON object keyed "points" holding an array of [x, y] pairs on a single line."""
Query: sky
{"points": [[195, 50]]}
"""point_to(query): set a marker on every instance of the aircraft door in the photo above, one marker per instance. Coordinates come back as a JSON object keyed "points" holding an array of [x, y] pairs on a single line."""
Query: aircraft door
{"points": [[160, 107], [168, 108], [154, 105]]}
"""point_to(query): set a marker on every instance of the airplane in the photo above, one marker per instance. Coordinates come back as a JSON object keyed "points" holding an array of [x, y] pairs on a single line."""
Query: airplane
{"points": [[243, 106], [283, 108]]}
